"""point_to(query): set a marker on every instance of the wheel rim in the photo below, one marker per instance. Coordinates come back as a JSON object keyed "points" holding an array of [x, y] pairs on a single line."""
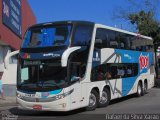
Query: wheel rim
{"points": [[92, 100], [145, 87], [104, 98], [139, 89]]}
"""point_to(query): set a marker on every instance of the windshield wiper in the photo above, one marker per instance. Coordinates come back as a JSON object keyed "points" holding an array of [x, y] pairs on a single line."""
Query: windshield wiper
{"points": [[27, 85], [50, 85]]}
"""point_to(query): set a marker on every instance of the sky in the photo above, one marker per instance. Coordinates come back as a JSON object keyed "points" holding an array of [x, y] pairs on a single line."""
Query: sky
{"points": [[99, 11]]}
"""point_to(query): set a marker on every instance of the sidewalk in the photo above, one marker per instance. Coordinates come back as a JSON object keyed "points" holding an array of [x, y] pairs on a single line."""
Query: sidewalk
{"points": [[8, 101]]}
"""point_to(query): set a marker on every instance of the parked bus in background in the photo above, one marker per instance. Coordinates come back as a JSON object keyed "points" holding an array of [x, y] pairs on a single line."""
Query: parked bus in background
{"points": [[68, 65]]}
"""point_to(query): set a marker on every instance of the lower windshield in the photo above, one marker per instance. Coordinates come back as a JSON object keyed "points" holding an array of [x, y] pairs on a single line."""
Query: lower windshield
{"points": [[41, 77]]}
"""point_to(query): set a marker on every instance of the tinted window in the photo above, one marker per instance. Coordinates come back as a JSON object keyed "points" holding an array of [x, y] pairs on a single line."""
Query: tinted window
{"points": [[114, 71], [124, 41], [41, 75], [102, 39], [106, 38], [47, 36], [112, 39], [141, 44], [82, 35]]}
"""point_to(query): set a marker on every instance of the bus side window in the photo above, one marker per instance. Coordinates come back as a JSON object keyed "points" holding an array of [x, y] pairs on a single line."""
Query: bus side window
{"points": [[113, 44], [82, 35], [124, 41], [102, 38]]}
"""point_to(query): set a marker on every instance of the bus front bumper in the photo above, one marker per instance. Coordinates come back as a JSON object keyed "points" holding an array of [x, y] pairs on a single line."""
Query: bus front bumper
{"points": [[58, 105]]}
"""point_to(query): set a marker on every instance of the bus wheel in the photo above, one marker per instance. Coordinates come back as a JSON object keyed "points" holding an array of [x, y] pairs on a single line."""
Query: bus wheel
{"points": [[139, 90], [93, 99], [145, 87], [105, 99]]}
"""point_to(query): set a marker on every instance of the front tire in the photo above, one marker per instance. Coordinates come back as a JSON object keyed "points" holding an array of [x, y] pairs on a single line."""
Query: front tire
{"points": [[93, 100], [105, 99]]}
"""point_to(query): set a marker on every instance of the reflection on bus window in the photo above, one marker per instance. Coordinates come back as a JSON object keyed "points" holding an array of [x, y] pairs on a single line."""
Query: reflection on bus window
{"points": [[47, 36], [114, 71], [114, 39], [24, 74], [82, 35]]}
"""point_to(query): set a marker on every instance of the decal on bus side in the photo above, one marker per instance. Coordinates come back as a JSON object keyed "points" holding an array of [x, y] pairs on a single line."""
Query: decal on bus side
{"points": [[143, 61]]}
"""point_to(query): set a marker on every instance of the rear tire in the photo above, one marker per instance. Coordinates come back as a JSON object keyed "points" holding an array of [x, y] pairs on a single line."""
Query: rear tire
{"points": [[93, 101], [105, 99], [139, 90], [145, 87]]}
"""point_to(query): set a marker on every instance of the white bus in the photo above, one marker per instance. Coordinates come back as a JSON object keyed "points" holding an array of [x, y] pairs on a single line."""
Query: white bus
{"points": [[68, 65]]}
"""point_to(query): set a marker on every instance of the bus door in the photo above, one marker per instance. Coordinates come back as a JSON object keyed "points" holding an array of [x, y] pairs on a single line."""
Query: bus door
{"points": [[75, 81]]}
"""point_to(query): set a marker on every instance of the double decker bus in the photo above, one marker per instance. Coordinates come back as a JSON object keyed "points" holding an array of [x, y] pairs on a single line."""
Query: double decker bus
{"points": [[68, 65]]}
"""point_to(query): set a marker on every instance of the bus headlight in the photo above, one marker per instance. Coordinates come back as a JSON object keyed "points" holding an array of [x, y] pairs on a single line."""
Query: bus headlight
{"points": [[20, 95]]}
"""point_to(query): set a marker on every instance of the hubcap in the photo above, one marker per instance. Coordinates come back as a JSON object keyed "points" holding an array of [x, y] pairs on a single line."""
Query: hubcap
{"points": [[92, 100], [145, 87], [139, 89], [104, 98]]}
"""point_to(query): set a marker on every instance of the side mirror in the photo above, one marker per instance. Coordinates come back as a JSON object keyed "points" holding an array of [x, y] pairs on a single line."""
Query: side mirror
{"points": [[8, 56], [74, 79]]}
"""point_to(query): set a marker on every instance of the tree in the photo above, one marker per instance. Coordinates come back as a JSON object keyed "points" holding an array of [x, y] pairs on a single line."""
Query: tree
{"points": [[142, 16], [134, 6], [145, 23]]}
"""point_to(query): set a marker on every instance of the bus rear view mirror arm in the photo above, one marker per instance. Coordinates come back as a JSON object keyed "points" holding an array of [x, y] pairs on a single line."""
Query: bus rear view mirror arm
{"points": [[8, 56]]}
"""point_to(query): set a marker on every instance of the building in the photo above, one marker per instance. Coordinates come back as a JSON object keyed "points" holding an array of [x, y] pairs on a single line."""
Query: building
{"points": [[15, 17]]}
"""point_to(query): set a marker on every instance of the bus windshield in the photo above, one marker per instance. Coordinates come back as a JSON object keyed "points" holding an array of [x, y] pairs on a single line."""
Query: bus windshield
{"points": [[41, 76], [47, 36], [82, 35]]}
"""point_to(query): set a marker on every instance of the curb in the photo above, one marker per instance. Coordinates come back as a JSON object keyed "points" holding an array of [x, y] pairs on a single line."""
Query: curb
{"points": [[8, 101], [8, 104]]}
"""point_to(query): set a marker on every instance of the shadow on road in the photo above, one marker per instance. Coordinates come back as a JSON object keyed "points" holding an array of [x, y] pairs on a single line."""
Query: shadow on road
{"points": [[122, 99], [157, 83]]}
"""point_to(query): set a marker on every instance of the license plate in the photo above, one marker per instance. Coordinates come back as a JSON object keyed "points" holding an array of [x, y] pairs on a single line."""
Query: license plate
{"points": [[37, 107]]}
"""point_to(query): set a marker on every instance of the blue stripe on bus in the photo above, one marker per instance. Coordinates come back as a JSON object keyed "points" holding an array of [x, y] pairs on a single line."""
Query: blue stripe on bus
{"points": [[55, 92], [132, 57], [46, 94], [127, 84]]}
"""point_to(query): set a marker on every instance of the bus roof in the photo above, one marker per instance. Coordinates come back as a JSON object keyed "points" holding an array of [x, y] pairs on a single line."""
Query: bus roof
{"points": [[91, 23], [123, 31], [63, 22]]}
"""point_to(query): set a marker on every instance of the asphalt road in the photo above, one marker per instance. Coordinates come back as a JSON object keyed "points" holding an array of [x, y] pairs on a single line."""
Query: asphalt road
{"points": [[146, 107]]}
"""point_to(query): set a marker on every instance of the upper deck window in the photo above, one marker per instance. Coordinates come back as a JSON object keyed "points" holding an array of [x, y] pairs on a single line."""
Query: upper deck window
{"points": [[47, 36], [82, 35]]}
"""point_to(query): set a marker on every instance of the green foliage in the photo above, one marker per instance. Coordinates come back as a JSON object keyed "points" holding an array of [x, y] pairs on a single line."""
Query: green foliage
{"points": [[146, 24]]}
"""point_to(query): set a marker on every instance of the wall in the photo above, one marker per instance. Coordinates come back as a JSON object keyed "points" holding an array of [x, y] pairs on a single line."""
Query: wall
{"points": [[28, 19], [10, 41]]}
